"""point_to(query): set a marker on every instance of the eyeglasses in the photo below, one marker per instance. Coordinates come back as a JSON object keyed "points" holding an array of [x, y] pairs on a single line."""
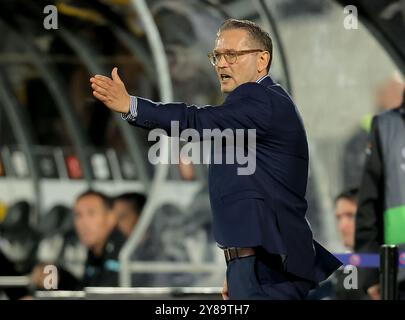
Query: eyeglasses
{"points": [[230, 56]]}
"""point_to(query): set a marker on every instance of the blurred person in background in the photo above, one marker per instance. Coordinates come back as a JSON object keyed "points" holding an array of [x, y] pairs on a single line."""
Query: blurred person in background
{"points": [[333, 288], [345, 212], [388, 96], [381, 213], [128, 207], [95, 225], [59, 242]]}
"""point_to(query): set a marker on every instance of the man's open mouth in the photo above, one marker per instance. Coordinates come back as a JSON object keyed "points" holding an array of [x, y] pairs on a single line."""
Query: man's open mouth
{"points": [[224, 77]]}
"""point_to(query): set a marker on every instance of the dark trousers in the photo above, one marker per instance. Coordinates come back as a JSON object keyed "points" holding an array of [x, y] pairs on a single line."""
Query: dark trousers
{"points": [[262, 277]]}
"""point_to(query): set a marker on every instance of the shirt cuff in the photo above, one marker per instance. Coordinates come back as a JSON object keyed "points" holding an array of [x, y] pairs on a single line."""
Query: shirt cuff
{"points": [[133, 110]]}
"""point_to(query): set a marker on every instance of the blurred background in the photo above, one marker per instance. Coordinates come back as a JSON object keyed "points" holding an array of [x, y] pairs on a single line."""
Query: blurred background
{"points": [[57, 141]]}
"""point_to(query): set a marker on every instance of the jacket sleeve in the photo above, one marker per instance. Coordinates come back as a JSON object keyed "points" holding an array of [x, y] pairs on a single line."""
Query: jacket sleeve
{"points": [[369, 218], [247, 107]]}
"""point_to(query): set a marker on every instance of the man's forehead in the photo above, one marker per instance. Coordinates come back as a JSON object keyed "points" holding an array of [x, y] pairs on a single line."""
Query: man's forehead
{"points": [[233, 39], [89, 201]]}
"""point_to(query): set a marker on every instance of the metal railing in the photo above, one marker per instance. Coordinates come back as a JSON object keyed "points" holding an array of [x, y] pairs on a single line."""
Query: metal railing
{"points": [[142, 293], [388, 260]]}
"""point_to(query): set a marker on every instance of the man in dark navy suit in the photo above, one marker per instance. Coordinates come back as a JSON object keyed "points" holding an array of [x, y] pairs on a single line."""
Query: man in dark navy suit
{"points": [[259, 216]]}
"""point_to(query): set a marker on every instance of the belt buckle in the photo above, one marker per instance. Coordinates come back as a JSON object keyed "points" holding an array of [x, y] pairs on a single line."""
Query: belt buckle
{"points": [[227, 255]]}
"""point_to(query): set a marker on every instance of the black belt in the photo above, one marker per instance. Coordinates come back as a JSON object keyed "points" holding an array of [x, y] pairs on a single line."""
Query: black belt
{"points": [[234, 253]]}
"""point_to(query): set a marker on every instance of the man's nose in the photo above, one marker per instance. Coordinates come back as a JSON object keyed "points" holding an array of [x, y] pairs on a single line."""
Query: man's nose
{"points": [[342, 227], [345, 225]]}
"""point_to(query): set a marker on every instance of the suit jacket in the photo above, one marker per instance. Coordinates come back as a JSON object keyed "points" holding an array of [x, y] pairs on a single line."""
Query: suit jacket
{"points": [[266, 208]]}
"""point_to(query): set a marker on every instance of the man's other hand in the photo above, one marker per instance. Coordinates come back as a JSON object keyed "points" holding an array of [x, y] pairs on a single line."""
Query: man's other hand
{"points": [[374, 292], [111, 92], [225, 294]]}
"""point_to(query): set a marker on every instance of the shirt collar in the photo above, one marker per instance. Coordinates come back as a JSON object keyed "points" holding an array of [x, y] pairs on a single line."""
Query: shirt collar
{"points": [[266, 81], [260, 79]]}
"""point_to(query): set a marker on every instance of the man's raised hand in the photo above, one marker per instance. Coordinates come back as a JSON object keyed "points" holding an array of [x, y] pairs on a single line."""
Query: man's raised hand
{"points": [[111, 92]]}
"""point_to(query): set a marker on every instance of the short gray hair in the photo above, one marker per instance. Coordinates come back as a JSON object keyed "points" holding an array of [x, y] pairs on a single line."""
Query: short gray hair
{"points": [[256, 33]]}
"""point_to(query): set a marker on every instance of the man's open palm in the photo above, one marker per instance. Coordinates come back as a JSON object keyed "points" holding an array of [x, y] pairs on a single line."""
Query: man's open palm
{"points": [[111, 92]]}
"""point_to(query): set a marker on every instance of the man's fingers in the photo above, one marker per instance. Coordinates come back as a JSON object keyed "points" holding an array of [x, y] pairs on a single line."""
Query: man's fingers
{"points": [[99, 96], [102, 84], [106, 84], [114, 75], [112, 93], [99, 77], [100, 90]]}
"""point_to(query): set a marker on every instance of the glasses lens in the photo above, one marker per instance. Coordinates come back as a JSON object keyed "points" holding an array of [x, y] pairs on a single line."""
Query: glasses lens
{"points": [[230, 57], [212, 58]]}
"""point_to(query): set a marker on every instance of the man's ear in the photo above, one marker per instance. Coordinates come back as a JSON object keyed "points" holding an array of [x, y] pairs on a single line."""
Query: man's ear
{"points": [[263, 61]]}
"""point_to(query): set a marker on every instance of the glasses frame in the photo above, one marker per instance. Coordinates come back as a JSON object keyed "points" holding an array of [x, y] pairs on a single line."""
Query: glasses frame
{"points": [[226, 54]]}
